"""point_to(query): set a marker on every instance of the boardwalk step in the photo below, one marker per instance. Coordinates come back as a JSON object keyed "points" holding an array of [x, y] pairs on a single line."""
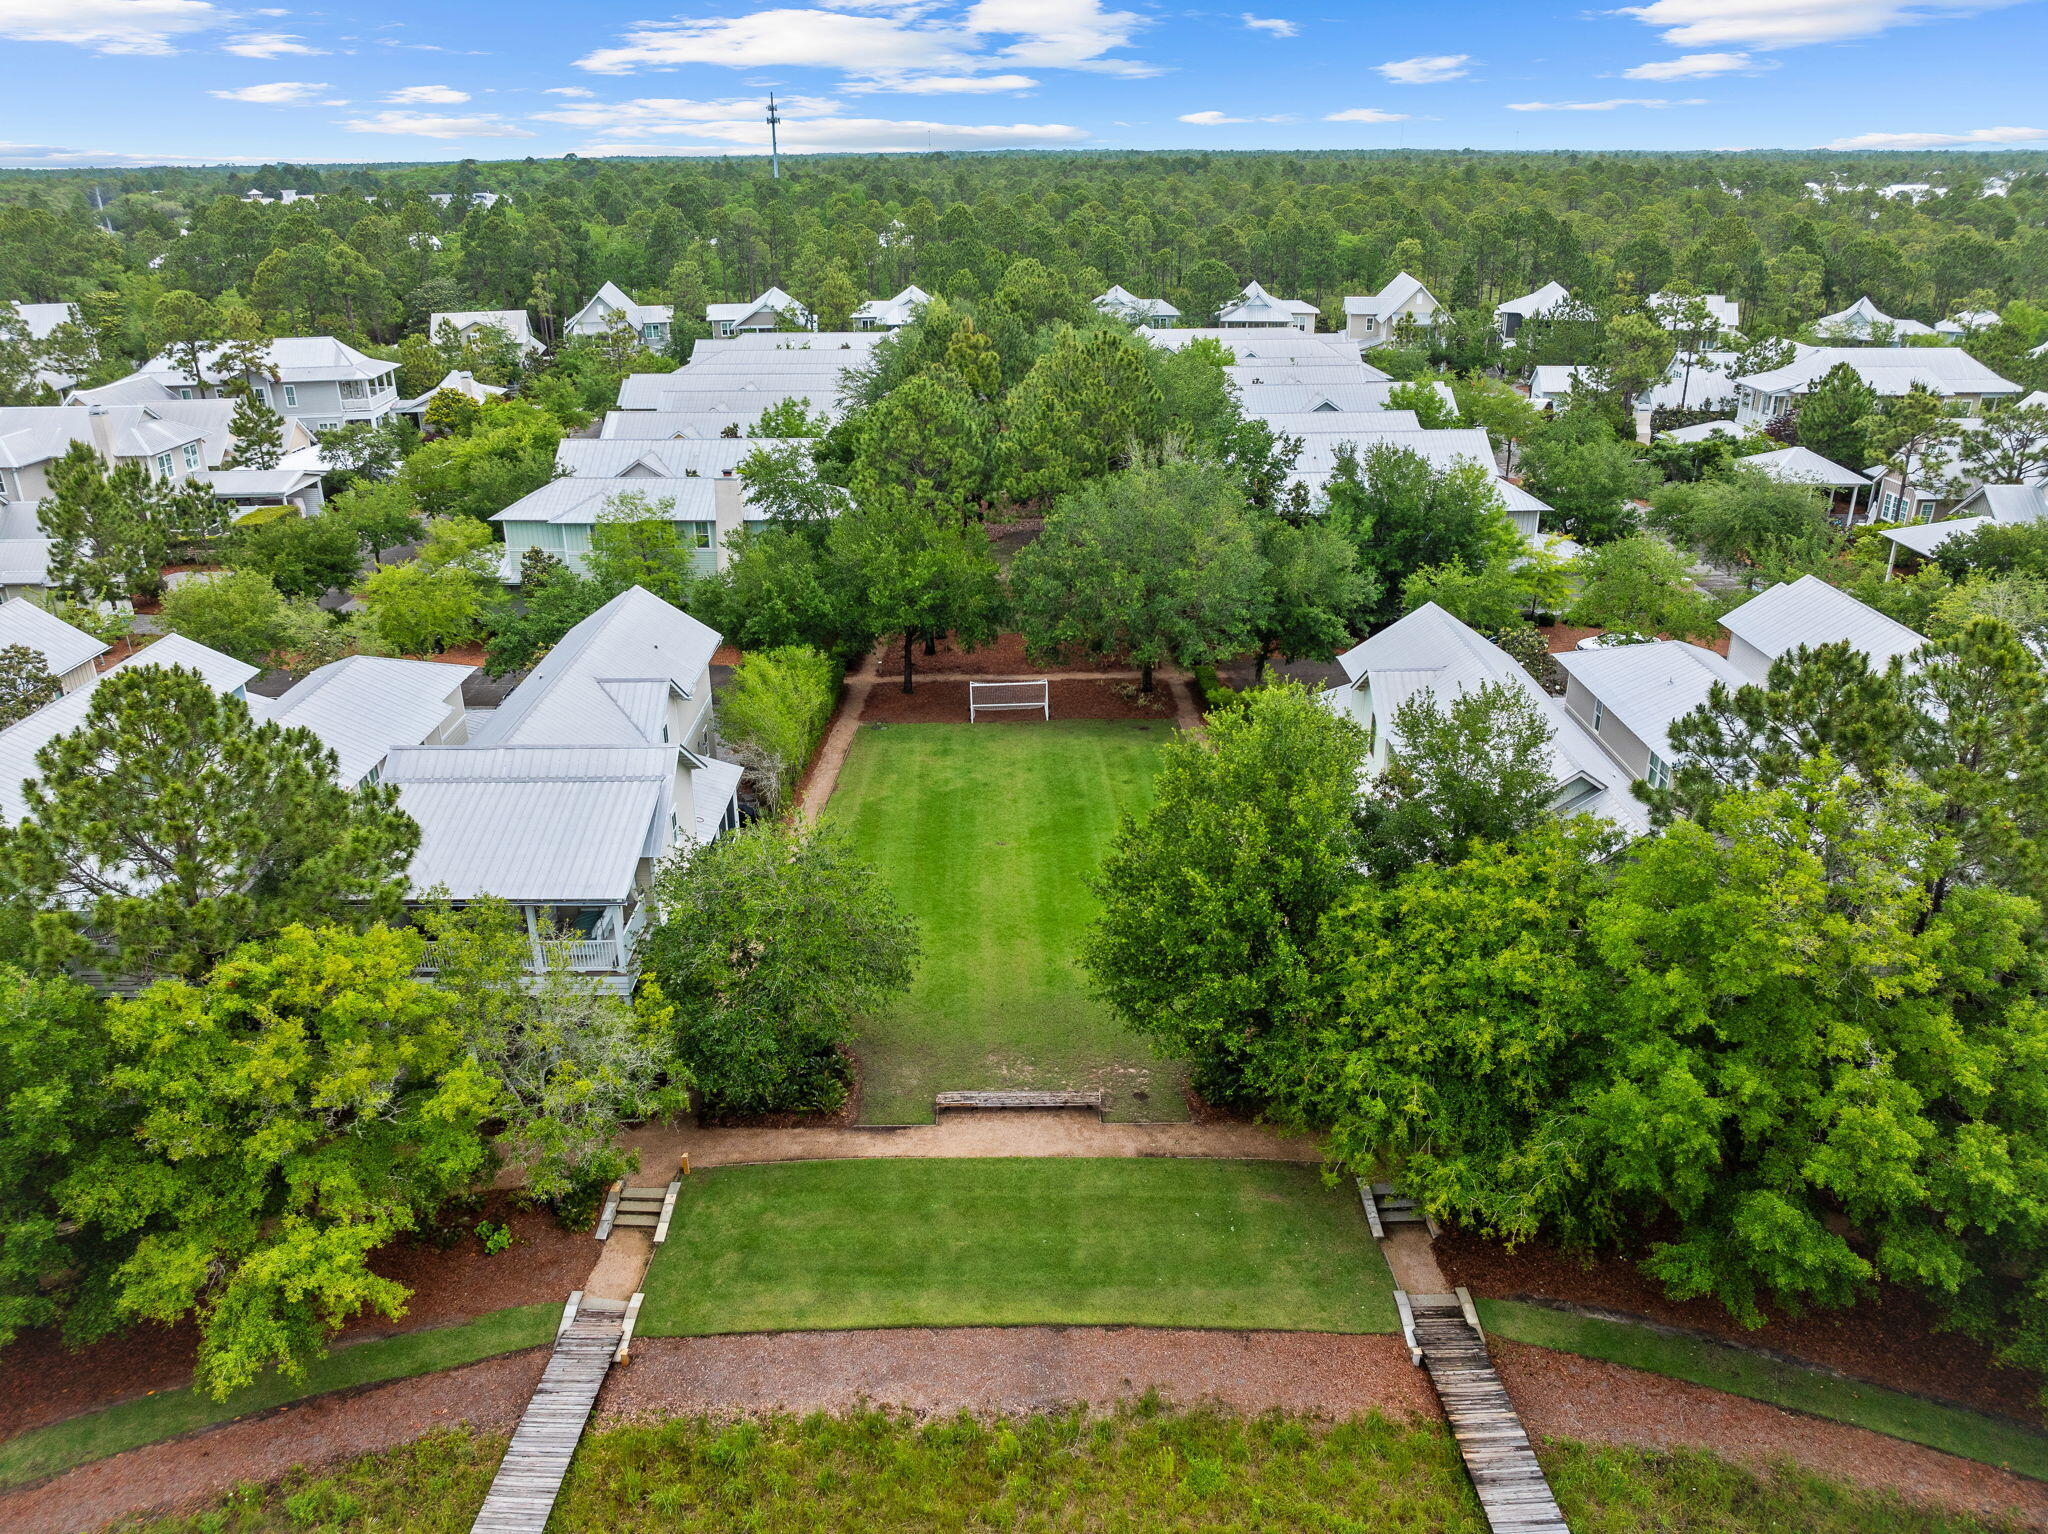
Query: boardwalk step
{"points": [[529, 1478], [1018, 1100]]}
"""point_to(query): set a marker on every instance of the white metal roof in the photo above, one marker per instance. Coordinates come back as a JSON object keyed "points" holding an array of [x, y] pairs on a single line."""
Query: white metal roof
{"points": [[580, 501], [61, 646], [1862, 318], [1317, 398], [1649, 687], [1280, 344], [2008, 503], [516, 323], [1399, 291], [612, 297], [1126, 305], [634, 637], [774, 300], [1810, 612], [1924, 538], [751, 343], [37, 433], [701, 396], [1723, 311], [1700, 431], [657, 425], [1890, 370], [1314, 372], [533, 841], [24, 561], [1255, 306], [289, 359], [709, 457], [41, 319], [1802, 466], [899, 310], [363, 705], [1540, 302]]}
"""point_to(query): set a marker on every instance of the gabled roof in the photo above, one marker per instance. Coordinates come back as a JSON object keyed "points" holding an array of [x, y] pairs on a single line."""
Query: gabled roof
{"points": [[1649, 687], [1810, 612], [774, 299], [634, 637], [657, 425], [1308, 372], [1863, 317], [289, 359], [37, 433], [1401, 290], [1255, 306], [516, 323], [699, 395], [580, 500], [454, 381], [1286, 399], [1278, 343], [1530, 305], [25, 561], [693, 457], [41, 319], [899, 310], [1723, 311], [362, 705], [61, 646], [1802, 466], [2007, 503], [1890, 370], [1124, 304]]}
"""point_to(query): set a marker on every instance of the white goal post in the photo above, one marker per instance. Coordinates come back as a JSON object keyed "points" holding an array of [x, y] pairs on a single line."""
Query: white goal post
{"points": [[1007, 696]]}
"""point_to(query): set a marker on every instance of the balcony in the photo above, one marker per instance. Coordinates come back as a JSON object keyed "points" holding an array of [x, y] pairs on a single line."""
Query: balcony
{"points": [[606, 949]]}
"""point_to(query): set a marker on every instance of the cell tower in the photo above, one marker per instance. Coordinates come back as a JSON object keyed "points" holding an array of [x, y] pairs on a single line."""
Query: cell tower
{"points": [[774, 140]]}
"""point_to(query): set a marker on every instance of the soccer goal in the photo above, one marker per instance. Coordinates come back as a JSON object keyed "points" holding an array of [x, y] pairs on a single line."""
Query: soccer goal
{"points": [[1008, 696]]}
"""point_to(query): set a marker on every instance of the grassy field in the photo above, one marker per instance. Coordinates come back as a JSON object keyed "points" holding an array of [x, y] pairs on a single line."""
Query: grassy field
{"points": [[837, 1244], [987, 833], [1141, 1471], [1953, 1429], [46, 1450]]}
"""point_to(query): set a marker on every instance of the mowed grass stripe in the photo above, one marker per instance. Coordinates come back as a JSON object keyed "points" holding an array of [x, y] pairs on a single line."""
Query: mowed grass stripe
{"points": [[1003, 1242], [988, 834]]}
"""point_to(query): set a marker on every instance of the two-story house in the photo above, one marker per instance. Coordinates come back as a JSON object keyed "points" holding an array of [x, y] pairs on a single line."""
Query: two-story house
{"points": [[473, 324], [1511, 314], [1948, 371], [1864, 321], [773, 310], [317, 381], [650, 322], [1373, 319], [891, 313], [1256, 309], [558, 518], [1120, 303], [32, 437]]}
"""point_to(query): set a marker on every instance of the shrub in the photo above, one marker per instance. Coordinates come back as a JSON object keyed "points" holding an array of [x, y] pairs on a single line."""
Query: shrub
{"points": [[775, 711]]}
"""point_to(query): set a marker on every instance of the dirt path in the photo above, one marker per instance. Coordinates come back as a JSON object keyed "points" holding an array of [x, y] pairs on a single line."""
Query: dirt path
{"points": [[1035, 1132], [824, 773], [1018, 1369]]}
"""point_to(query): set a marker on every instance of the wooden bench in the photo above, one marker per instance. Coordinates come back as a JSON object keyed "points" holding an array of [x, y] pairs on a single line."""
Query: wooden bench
{"points": [[1019, 1100]]}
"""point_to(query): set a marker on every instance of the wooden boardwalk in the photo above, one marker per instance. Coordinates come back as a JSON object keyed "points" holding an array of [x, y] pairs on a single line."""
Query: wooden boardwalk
{"points": [[530, 1476], [1512, 1489]]}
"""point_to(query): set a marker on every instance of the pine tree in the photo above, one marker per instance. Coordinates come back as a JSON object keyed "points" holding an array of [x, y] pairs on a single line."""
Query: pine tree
{"points": [[1830, 420], [1085, 409], [25, 683], [258, 432]]}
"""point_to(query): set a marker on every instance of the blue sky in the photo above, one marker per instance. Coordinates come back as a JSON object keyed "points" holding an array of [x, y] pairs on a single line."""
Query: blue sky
{"points": [[114, 82]]}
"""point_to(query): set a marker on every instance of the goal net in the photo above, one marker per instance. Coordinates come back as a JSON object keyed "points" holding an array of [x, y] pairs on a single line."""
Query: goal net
{"points": [[1005, 697]]}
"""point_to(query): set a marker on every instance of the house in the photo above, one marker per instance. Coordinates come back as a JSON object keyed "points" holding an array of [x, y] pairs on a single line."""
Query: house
{"points": [[1949, 371], [473, 324], [660, 425], [1256, 309], [1986, 506], [253, 489], [1309, 372], [1374, 319], [773, 310], [1864, 321], [32, 437], [1512, 314], [1967, 323], [364, 706], [1325, 435], [1260, 346], [1807, 613], [611, 306], [672, 458], [455, 381], [69, 654], [24, 552], [559, 516], [1431, 651], [736, 390], [1293, 399], [1122, 304], [317, 381], [603, 758], [1628, 697], [1723, 313], [891, 313]]}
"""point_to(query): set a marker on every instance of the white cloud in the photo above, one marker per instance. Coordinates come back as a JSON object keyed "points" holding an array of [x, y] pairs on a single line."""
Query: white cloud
{"points": [[1941, 140], [1696, 66], [906, 41], [1430, 69], [279, 93], [652, 116], [427, 96], [1602, 106], [1365, 115], [1274, 24], [1790, 23], [576, 91], [865, 135], [1217, 119], [268, 45], [433, 125], [943, 85], [108, 26]]}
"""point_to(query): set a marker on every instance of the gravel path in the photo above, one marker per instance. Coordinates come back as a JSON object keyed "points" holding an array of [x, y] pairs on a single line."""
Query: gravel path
{"points": [[1033, 1132]]}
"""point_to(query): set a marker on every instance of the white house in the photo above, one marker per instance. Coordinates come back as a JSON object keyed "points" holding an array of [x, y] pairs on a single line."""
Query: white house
{"points": [[1723, 313], [773, 310], [1967, 323], [648, 321], [1372, 320], [891, 313], [471, 324], [315, 380], [32, 437], [1864, 321], [1512, 314], [559, 516], [670, 458], [1949, 371], [455, 381], [1121, 303], [1293, 399], [1305, 373], [1429, 650], [1986, 506], [1628, 697], [603, 759], [1809, 612], [1256, 309], [69, 653]]}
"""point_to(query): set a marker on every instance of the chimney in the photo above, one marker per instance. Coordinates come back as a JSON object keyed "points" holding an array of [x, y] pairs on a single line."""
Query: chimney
{"points": [[102, 425]]}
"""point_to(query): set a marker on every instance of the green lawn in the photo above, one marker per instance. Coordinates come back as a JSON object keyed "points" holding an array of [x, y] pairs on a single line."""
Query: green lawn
{"points": [[836, 1244], [1141, 1470], [1953, 1429], [44, 1451], [987, 833]]}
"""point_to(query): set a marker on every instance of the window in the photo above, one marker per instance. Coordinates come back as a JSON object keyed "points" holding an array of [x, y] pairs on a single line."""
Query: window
{"points": [[291, 395], [1659, 775], [191, 456], [163, 465], [354, 388], [262, 394], [327, 426], [184, 394], [1599, 713], [700, 535]]}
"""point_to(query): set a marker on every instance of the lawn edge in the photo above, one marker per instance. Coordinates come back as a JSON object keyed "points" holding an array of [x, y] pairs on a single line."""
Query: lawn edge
{"points": [[1733, 1370], [15, 1475]]}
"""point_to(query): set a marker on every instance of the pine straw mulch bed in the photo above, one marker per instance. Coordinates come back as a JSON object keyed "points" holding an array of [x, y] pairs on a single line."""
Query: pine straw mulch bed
{"points": [[43, 1381], [1893, 1340], [1004, 658]]}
